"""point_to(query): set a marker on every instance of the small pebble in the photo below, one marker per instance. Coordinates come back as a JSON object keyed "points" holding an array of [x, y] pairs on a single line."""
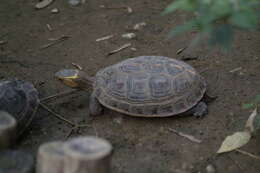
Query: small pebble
{"points": [[55, 10], [210, 169], [133, 49], [74, 2], [139, 26], [129, 35]]}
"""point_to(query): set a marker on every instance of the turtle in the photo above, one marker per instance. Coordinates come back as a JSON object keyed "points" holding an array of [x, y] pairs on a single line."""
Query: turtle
{"points": [[20, 99], [143, 86]]}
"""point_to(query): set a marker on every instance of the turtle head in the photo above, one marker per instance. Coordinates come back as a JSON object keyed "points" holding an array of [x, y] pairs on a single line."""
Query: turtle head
{"points": [[74, 78]]}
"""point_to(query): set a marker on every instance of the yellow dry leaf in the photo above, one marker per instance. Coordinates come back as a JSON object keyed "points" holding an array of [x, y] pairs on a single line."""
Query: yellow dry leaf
{"points": [[250, 122], [234, 141]]}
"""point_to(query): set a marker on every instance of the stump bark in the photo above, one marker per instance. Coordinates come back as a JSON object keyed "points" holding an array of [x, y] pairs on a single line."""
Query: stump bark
{"points": [[50, 158], [87, 155], [7, 130]]}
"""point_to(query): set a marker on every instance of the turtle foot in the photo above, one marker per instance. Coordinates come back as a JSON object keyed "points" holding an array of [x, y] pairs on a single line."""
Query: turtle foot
{"points": [[200, 110], [95, 108]]}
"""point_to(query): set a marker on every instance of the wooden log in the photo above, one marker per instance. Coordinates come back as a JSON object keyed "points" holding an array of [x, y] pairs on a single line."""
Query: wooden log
{"points": [[87, 155], [7, 130], [50, 158]]}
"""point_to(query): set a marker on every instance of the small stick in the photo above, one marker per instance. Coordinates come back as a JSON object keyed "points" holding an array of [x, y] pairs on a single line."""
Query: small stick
{"points": [[49, 27], [179, 51], [189, 137], [59, 94], [235, 70], [2, 42], [77, 66], [235, 162], [76, 128], [119, 49], [57, 115], [248, 154], [59, 40], [129, 9], [104, 38]]}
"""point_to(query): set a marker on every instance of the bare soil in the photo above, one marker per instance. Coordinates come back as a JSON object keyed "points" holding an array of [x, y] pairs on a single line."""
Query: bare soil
{"points": [[142, 145]]}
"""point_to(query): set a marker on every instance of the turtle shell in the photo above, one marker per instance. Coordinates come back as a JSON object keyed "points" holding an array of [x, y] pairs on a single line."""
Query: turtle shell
{"points": [[149, 86], [20, 99]]}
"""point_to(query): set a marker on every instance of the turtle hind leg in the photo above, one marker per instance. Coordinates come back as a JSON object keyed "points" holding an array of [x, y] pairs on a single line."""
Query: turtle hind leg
{"points": [[199, 110], [95, 108]]}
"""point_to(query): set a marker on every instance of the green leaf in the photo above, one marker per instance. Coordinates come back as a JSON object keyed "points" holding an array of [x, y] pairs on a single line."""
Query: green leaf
{"points": [[183, 28], [172, 7], [256, 122], [221, 35], [257, 98], [221, 8], [247, 105], [186, 5], [244, 19]]}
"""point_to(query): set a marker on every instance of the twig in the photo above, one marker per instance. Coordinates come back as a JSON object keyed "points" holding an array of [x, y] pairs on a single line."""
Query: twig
{"points": [[129, 9], [104, 38], [235, 162], [179, 51], [248, 154], [76, 128], [235, 70], [59, 94], [57, 115], [119, 49], [58, 40], [2, 42], [49, 27], [69, 134], [189, 137], [77, 66]]}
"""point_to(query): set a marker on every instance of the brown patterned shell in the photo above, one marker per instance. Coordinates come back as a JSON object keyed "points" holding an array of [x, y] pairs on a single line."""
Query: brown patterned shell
{"points": [[149, 86]]}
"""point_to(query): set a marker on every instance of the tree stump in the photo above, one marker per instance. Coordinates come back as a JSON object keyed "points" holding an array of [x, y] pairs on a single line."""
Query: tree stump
{"points": [[50, 158], [87, 155], [7, 130]]}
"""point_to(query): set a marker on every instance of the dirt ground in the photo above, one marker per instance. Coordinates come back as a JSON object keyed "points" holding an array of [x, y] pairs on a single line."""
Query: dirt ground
{"points": [[142, 145]]}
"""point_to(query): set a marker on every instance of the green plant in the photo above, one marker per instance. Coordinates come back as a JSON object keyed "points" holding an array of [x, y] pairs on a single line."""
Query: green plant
{"points": [[254, 103], [216, 19]]}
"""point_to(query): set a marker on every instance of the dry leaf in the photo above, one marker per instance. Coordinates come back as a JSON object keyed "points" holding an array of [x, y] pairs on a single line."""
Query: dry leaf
{"points": [[234, 141], [250, 122], [43, 4]]}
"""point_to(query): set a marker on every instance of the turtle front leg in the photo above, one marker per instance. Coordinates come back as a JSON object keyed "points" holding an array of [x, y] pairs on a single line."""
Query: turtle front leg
{"points": [[95, 108], [200, 110]]}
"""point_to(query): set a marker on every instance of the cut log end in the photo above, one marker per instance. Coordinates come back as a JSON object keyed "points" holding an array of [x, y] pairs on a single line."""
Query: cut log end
{"points": [[87, 154], [50, 158]]}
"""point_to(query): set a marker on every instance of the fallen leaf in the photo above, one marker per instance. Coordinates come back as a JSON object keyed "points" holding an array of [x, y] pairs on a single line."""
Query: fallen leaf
{"points": [[250, 122], [234, 141], [43, 4]]}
